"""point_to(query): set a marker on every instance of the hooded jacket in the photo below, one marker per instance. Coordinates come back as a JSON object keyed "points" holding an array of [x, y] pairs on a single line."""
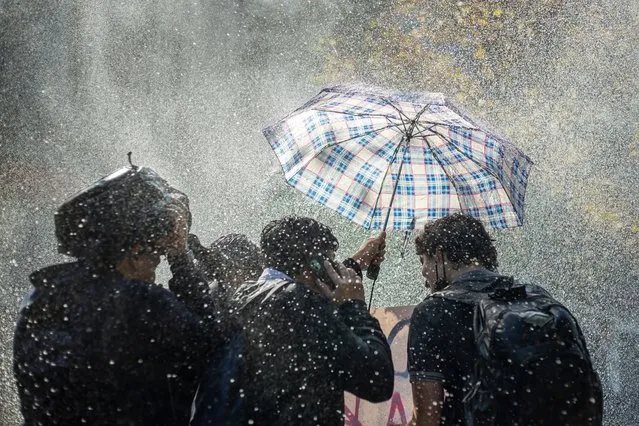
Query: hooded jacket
{"points": [[93, 348], [303, 352]]}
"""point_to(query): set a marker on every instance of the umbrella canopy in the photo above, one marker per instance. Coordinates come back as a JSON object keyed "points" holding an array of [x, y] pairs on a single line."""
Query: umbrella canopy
{"points": [[399, 160]]}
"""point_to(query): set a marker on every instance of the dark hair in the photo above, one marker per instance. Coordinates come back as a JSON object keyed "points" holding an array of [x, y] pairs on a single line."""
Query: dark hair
{"points": [[230, 253], [463, 238], [288, 243]]}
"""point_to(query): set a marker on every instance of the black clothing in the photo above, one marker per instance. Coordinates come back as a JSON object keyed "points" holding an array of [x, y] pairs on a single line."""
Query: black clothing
{"points": [[94, 348], [441, 347], [303, 352]]}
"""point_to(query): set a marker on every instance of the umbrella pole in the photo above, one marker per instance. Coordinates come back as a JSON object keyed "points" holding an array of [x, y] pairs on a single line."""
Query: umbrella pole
{"points": [[373, 270], [370, 299]]}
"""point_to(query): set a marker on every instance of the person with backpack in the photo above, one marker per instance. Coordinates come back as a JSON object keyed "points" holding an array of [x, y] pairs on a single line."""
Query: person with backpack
{"points": [[306, 336], [484, 349], [97, 342]]}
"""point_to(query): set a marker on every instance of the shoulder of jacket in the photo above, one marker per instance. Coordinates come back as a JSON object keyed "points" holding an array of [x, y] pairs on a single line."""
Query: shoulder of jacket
{"points": [[144, 292], [429, 303]]}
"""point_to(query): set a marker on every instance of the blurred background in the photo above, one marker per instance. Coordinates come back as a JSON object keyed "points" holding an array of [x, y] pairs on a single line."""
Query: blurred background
{"points": [[188, 86]]}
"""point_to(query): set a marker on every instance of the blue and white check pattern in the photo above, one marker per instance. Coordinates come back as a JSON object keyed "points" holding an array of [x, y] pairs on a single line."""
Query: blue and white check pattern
{"points": [[344, 148]]}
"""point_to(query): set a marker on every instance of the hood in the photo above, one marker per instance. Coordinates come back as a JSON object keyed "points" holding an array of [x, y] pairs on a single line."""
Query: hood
{"points": [[58, 275]]}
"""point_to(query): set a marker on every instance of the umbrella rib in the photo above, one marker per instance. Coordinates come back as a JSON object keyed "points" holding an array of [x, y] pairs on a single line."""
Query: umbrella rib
{"points": [[452, 182], [471, 159], [359, 136], [352, 113], [423, 129], [399, 175], [401, 113], [406, 137], [329, 145]]}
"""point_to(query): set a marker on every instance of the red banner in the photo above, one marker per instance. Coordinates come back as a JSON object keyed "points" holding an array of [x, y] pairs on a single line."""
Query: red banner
{"points": [[397, 411]]}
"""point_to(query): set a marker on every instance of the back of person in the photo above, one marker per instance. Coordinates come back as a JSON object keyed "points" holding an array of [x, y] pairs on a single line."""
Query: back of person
{"points": [[291, 359], [441, 346], [543, 388], [531, 363], [97, 342], [308, 336], [486, 350], [94, 350]]}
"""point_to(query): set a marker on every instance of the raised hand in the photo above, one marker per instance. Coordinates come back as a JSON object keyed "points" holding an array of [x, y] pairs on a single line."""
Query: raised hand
{"points": [[348, 285], [371, 252]]}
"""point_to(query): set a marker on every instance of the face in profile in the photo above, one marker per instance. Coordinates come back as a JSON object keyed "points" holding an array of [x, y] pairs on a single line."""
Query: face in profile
{"points": [[428, 269], [433, 277], [147, 265]]}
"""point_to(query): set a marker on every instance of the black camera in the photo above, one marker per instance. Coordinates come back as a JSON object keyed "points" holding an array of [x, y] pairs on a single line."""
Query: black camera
{"points": [[126, 207]]}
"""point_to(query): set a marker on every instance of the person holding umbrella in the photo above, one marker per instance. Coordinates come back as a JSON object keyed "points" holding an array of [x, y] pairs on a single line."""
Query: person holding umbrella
{"points": [[391, 160], [308, 332]]}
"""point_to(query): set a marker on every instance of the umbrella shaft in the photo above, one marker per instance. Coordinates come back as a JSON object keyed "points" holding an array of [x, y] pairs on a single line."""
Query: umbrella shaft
{"points": [[399, 174]]}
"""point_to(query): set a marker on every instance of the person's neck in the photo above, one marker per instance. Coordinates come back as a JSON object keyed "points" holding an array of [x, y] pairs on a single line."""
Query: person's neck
{"points": [[130, 271], [453, 274]]}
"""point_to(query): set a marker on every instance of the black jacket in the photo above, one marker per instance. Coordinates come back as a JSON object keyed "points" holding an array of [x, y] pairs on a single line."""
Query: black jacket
{"points": [[92, 348], [303, 352]]}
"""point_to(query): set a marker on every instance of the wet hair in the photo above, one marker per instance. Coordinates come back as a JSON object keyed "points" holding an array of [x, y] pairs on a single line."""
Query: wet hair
{"points": [[463, 238], [229, 254], [289, 243]]}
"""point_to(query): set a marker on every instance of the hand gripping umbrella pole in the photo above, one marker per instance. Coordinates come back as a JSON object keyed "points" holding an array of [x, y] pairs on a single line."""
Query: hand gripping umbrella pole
{"points": [[373, 270]]}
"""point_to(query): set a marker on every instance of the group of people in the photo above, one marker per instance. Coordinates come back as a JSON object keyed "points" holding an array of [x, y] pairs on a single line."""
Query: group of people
{"points": [[97, 342]]}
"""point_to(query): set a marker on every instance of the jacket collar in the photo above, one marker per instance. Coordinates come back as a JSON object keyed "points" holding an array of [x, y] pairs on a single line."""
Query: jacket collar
{"points": [[476, 280], [270, 274]]}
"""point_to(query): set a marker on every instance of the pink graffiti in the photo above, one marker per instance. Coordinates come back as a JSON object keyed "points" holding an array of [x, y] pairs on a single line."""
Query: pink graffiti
{"points": [[352, 419], [396, 407]]}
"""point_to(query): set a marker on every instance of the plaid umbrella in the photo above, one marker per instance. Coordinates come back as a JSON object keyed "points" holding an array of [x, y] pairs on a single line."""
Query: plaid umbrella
{"points": [[399, 160]]}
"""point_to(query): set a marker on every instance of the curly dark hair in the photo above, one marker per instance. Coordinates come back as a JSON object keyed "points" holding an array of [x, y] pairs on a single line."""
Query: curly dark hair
{"points": [[228, 255], [463, 238], [288, 243]]}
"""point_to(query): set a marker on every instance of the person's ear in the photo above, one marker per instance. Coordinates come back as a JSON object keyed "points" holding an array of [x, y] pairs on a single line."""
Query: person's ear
{"points": [[439, 256]]}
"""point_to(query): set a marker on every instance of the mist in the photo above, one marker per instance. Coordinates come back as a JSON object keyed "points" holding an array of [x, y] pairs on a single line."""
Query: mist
{"points": [[188, 86]]}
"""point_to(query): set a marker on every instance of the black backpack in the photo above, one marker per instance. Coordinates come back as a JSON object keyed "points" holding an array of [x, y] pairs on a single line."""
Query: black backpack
{"points": [[533, 366]]}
